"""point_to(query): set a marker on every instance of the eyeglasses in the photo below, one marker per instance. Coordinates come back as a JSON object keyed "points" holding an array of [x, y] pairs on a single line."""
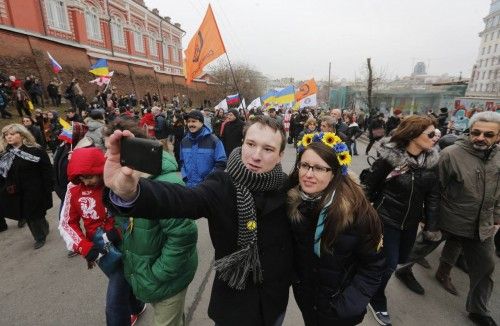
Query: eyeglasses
{"points": [[486, 134], [430, 134], [305, 167]]}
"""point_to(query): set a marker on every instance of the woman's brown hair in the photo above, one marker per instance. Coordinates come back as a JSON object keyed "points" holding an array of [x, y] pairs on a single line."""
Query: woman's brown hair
{"points": [[350, 207], [410, 128]]}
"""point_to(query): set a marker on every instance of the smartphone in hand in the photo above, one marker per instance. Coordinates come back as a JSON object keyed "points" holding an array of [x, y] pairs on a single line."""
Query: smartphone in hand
{"points": [[141, 154]]}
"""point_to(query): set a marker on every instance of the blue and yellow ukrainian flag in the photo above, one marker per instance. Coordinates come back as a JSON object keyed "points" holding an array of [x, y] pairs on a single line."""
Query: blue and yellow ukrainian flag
{"points": [[269, 97], [100, 68], [286, 95]]}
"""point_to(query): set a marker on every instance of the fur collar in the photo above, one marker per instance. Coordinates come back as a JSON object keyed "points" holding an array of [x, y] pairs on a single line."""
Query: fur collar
{"points": [[397, 156], [294, 200]]}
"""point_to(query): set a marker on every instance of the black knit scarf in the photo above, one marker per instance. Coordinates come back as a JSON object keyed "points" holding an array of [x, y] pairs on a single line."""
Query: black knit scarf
{"points": [[234, 268]]}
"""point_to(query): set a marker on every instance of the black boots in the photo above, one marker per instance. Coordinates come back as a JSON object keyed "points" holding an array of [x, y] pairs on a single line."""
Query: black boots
{"points": [[405, 275], [482, 320]]}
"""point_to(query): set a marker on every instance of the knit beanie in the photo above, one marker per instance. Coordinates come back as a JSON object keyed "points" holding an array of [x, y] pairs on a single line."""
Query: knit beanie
{"points": [[195, 114]]}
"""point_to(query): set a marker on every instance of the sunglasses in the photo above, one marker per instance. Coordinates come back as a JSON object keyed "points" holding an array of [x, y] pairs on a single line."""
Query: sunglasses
{"points": [[486, 134], [431, 134]]}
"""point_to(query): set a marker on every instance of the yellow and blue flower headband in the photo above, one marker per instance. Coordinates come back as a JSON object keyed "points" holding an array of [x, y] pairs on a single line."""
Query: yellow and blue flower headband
{"points": [[331, 140]]}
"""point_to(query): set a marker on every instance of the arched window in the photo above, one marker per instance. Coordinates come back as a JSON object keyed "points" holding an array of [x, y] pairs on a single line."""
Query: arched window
{"points": [[57, 15], [93, 24], [138, 42], [166, 54], [153, 49], [117, 32]]}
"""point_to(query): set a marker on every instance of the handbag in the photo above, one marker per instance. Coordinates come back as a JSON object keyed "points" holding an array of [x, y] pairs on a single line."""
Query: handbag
{"points": [[109, 262], [378, 132]]}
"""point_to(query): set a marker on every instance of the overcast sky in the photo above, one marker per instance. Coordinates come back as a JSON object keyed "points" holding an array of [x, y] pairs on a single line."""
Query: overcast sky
{"points": [[298, 38]]}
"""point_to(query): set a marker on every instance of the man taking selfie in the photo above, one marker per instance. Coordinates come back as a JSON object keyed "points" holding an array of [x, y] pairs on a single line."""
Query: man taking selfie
{"points": [[246, 211]]}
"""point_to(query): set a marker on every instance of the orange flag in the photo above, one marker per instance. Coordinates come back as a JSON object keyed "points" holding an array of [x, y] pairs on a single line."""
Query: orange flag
{"points": [[205, 46], [306, 89]]}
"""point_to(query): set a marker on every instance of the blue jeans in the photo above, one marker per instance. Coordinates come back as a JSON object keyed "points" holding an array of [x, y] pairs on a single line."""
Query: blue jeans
{"points": [[120, 301], [397, 248]]}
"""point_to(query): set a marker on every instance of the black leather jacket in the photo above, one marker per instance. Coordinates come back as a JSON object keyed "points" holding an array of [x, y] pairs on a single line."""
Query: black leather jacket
{"points": [[404, 189]]}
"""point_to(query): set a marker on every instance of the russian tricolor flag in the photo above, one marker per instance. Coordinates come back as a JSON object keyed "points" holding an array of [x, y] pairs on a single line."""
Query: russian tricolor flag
{"points": [[233, 99], [55, 65]]}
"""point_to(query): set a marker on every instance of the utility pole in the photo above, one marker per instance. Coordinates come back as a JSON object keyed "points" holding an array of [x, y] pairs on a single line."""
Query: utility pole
{"points": [[329, 80], [370, 86]]}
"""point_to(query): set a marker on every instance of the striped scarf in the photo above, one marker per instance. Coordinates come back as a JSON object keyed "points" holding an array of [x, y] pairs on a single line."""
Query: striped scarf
{"points": [[235, 268]]}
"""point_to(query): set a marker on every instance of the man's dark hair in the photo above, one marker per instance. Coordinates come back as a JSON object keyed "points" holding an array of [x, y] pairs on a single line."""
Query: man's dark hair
{"points": [[269, 122], [122, 123]]}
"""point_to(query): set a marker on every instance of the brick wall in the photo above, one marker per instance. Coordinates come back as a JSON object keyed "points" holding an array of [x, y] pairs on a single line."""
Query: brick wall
{"points": [[22, 55]]}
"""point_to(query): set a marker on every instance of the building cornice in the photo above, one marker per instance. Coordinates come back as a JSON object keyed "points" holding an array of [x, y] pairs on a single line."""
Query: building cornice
{"points": [[95, 52]]}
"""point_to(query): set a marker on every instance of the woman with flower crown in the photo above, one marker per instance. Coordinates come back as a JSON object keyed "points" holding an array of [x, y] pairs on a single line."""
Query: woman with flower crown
{"points": [[337, 235]]}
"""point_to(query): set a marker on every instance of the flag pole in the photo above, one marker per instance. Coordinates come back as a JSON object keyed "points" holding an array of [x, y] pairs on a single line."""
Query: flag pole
{"points": [[234, 80], [71, 145]]}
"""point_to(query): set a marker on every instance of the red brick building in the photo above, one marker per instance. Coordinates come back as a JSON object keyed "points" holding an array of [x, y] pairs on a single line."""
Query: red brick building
{"points": [[144, 48]]}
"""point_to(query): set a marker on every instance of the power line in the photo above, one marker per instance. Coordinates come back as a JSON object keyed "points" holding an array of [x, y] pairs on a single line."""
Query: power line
{"points": [[230, 29]]}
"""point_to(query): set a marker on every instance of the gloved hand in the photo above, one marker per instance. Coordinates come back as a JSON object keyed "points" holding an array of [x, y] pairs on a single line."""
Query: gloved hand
{"points": [[114, 236], [92, 254], [433, 235]]}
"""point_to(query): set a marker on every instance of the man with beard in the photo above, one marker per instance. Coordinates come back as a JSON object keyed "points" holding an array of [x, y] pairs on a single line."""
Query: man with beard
{"points": [[201, 151], [469, 212]]}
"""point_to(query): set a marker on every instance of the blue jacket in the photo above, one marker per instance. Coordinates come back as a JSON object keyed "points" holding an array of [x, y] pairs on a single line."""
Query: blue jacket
{"points": [[200, 155]]}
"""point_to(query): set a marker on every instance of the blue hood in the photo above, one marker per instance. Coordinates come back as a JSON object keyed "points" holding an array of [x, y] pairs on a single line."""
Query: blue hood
{"points": [[205, 131]]}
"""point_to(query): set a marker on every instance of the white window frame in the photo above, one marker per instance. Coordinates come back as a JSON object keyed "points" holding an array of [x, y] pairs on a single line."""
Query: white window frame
{"points": [[138, 40], [93, 24], [175, 54], [166, 54], [153, 47], [117, 32], [57, 14]]}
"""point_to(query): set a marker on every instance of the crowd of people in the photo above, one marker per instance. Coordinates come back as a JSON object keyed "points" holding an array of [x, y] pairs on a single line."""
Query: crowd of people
{"points": [[332, 236]]}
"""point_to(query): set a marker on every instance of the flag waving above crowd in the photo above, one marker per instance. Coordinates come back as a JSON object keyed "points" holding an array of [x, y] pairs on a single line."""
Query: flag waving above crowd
{"points": [[100, 68], [56, 67], [306, 89], [205, 46]]}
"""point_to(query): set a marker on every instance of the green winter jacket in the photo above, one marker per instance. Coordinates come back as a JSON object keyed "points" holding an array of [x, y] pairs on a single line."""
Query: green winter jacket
{"points": [[159, 256], [470, 192]]}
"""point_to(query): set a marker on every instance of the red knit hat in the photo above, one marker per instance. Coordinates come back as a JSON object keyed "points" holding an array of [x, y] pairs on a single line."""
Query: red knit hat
{"points": [[85, 161], [397, 112]]}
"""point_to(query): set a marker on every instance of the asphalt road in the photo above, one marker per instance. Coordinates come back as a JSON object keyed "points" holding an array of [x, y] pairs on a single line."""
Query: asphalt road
{"points": [[45, 288]]}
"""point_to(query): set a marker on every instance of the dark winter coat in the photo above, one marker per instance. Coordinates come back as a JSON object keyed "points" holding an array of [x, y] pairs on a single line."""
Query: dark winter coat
{"points": [[215, 199], [392, 123], [443, 122], [161, 128], [400, 188], [61, 169], [37, 133], [232, 135], [470, 197], [333, 289], [375, 124], [178, 132], [33, 184], [353, 132]]}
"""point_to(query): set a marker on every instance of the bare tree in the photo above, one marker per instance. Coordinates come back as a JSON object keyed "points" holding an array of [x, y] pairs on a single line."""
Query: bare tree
{"points": [[366, 86], [251, 82]]}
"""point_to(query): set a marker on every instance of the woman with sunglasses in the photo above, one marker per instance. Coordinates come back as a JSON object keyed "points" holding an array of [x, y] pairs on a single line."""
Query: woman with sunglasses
{"points": [[337, 235], [401, 181]]}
